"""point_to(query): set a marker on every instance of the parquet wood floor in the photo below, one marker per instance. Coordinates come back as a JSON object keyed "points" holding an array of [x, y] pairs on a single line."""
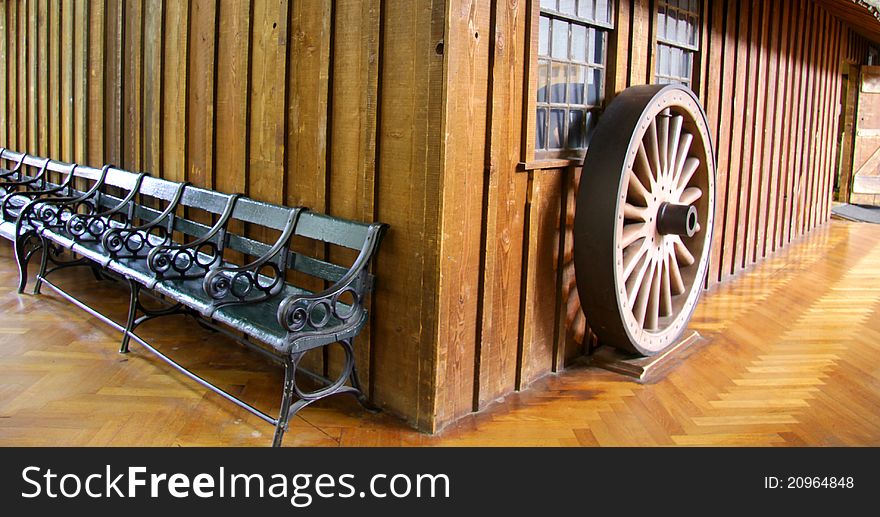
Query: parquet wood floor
{"points": [[792, 357]]}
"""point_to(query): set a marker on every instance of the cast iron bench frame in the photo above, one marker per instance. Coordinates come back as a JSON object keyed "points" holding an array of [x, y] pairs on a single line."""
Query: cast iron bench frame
{"points": [[114, 231]]}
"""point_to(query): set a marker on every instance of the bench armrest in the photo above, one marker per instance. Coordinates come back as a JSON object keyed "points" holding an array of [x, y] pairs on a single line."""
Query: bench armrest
{"points": [[312, 312], [50, 211], [13, 202], [29, 182], [94, 225], [237, 283], [15, 170], [176, 260], [135, 238]]}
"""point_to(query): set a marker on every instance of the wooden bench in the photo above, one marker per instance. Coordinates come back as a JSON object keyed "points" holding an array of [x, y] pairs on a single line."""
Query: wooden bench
{"points": [[145, 231]]}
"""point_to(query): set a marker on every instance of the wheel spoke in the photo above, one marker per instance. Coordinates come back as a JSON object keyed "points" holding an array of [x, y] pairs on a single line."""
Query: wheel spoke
{"points": [[665, 290], [632, 233], [690, 195], [634, 283], [635, 213], [631, 258], [674, 141], [676, 282], [663, 140], [682, 159], [688, 169], [653, 311], [642, 167], [653, 149], [644, 292], [682, 253], [638, 190]]}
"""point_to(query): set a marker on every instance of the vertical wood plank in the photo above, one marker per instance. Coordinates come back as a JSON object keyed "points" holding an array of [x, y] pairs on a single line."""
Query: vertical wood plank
{"points": [[353, 118], [505, 196], [754, 129], [113, 77], [818, 119], [231, 126], [770, 151], [21, 34], [33, 118], [308, 104], [544, 232], [12, 74], [174, 83], [618, 52], [132, 80], [306, 128], [789, 104], [82, 26], [463, 152], [267, 98], [4, 77], [799, 115], [719, 98], [42, 73], [152, 86], [641, 46], [67, 92], [54, 79], [407, 357], [741, 134], [200, 93], [95, 115]]}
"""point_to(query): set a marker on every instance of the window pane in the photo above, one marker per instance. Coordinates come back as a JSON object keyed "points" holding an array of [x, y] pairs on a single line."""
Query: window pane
{"points": [[692, 31], [559, 49], [548, 4], [598, 53], [586, 9], [602, 11], [543, 77], [662, 60], [566, 6], [576, 84], [544, 36], [541, 129], [661, 21], [594, 87], [557, 129], [578, 43], [686, 65], [558, 82], [576, 132]]}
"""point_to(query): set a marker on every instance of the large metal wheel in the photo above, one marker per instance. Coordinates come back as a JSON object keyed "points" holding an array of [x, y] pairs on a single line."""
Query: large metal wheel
{"points": [[643, 226]]}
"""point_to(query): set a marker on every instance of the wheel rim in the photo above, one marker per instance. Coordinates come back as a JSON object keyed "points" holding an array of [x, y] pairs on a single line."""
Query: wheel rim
{"points": [[644, 218]]}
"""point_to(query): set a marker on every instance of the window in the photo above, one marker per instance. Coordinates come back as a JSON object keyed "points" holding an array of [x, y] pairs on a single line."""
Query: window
{"points": [[678, 37], [572, 36]]}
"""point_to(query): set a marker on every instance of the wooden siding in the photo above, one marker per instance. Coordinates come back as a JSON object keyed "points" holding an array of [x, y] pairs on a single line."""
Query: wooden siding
{"points": [[278, 99], [769, 77], [419, 114]]}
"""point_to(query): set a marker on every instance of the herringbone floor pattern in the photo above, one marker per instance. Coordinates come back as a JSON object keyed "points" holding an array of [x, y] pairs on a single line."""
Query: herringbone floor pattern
{"points": [[792, 358]]}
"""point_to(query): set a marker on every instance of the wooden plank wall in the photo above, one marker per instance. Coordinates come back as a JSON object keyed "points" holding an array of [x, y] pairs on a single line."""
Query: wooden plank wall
{"points": [[769, 78], [282, 100], [418, 115]]}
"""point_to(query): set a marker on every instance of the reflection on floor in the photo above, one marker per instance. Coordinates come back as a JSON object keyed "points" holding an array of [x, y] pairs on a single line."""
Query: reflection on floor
{"points": [[792, 358]]}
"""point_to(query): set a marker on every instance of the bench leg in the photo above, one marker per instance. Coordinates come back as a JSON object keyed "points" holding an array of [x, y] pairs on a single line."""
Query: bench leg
{"points": [[356, 382], [132, 315], [25, 248], [286, 399], [44, 264]]}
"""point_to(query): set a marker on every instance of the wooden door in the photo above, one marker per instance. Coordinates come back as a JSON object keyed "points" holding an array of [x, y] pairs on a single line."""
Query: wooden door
{"points": [[866, 155]]}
